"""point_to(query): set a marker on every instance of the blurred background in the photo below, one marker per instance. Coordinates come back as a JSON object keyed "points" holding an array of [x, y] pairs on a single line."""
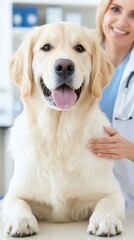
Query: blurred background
{"points": [[17, 17]]}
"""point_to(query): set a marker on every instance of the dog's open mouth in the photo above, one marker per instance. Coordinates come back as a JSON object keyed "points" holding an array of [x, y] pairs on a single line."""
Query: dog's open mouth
{"points": [[63, 97]]}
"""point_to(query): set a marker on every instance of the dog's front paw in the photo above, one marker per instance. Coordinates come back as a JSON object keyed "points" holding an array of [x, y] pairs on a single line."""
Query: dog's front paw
{"points": [[22, 226], [104, 225]]}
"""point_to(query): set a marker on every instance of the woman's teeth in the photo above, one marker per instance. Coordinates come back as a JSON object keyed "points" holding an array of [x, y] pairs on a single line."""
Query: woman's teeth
{"points": [[116, 30]]}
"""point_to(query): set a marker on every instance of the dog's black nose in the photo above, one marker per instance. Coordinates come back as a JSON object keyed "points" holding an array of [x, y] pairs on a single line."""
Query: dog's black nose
{"points": [[64, 67]]}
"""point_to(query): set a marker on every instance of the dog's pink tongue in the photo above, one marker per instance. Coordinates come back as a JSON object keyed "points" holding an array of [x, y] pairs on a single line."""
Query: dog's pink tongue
{"points": [[64, 97]]}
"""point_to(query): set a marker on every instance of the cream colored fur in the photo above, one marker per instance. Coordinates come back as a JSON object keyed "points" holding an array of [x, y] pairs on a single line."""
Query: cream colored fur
{"points": [[56, 178]]}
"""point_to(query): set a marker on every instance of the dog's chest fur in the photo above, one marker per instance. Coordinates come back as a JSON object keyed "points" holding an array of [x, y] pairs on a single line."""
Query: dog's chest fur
{"points": [[59, 165]]}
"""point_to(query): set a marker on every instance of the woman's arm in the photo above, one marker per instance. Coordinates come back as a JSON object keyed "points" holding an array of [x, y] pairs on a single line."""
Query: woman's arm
{"points": [[114, 147]]}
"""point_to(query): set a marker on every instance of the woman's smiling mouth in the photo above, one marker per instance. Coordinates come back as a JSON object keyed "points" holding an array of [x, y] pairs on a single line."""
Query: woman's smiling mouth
{"points": [[117, 30]]}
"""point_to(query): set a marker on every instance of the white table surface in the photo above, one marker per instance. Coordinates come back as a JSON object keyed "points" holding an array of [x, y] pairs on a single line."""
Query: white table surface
{"points": [[74, 231]]}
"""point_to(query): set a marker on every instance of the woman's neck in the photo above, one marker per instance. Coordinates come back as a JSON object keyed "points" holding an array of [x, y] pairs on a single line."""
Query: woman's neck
{"points": [[116, 54]]}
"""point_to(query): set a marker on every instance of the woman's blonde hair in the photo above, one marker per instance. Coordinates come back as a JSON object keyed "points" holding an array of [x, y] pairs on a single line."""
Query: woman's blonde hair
{"points": [[102, 8]]}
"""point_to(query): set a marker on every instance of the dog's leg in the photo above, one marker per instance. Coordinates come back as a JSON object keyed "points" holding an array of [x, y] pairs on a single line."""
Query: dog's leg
{"points": [[106, 218], [18, 218]]}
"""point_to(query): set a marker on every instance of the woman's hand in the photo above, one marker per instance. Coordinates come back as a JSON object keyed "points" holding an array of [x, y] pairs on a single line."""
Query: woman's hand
{"points": [[114, 146]]}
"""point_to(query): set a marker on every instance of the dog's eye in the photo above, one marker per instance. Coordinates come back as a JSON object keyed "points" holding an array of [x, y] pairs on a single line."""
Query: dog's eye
{"points": [[79, 48], [46, 47]]}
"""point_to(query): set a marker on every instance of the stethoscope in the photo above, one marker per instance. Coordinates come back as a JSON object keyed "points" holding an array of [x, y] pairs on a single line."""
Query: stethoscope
{"points": [[122, 104]]}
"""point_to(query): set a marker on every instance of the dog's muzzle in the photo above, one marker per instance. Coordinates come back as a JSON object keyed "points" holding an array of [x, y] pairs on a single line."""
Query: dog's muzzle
{"points": [[64, 96]]}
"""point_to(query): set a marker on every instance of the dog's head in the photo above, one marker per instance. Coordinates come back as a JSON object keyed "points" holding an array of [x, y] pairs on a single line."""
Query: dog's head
{"points": [[61, 61]]}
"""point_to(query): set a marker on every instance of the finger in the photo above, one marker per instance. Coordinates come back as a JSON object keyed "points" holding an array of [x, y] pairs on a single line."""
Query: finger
{"points": [[98, 141], [105, 150], [104, 147], [106, 140], [110, 131], [108, 156]]}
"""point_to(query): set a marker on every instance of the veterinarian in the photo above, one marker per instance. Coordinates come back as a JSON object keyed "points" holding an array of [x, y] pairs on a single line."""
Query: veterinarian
{"points": [[115, 26]]}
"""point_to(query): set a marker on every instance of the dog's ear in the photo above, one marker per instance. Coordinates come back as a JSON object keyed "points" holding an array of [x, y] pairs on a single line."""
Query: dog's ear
{"points": [[102, 70], [20, 69]]}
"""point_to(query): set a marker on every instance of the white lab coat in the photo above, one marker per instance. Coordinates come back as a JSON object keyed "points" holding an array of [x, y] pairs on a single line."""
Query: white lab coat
{"points": [[124, 169]]}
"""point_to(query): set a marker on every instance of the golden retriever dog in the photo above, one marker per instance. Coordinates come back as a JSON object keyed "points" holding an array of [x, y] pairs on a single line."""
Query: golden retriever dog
{"points": [[60, 70]]}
